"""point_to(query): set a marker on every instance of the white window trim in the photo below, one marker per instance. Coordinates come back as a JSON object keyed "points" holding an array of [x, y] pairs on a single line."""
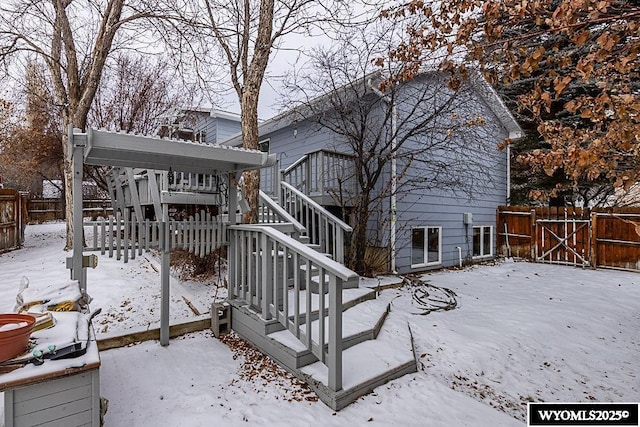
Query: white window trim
{"points": [[425, 246], [481, 227]]}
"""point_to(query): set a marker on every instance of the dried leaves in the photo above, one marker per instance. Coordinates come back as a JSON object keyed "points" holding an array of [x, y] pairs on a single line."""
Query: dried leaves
{"points": [[576, 64], [260, 370]]}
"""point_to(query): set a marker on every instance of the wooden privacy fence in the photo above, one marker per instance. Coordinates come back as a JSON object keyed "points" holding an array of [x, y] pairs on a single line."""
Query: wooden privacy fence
{"points": [[41, 210], [13, 219], [199, 234], [573, 236]]}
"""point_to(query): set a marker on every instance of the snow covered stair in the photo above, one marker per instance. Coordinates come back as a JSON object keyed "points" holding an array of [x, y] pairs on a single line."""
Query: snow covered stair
{"points": [[376, 347]]}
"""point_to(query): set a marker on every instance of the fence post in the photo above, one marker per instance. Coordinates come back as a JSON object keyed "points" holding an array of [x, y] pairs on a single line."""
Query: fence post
{"points": [[593, 236], [534, 236]]}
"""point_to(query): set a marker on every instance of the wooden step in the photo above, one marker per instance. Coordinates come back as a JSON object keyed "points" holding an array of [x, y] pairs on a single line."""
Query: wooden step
{"points": [[367, 365], [377, 348], [359, 323]]}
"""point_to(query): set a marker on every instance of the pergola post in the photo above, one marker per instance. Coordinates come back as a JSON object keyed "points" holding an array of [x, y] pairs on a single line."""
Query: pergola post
{"points": [[165, 243], [77, 143]]}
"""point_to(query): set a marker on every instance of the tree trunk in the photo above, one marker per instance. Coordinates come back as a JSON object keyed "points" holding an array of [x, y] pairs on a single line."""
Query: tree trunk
{"points": [[249, 118], [358, 245], [68, 197]]}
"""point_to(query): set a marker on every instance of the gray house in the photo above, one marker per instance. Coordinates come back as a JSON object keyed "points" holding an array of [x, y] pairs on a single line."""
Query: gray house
{"points": [[199, 124], [442, 169], [413, 172]]}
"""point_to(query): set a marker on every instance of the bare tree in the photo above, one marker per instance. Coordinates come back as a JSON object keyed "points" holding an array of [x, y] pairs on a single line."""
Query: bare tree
{"points": [[73, 39], [134, 93], [419, 136], [246, 32]]}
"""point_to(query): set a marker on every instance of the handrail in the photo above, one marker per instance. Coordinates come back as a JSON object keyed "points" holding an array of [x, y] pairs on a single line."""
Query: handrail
{"points": [[344, 226], [319, 260], [295, 164], [322, 172], [280, 212], [274, 273]]}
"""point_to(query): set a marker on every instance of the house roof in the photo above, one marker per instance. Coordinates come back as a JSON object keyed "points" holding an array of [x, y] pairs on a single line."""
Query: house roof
{"points": [[288, 117], [486, 91], [497, 106], [138, 151]]}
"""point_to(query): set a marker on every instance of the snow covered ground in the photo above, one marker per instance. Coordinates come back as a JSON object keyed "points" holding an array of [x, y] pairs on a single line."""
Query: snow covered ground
{"points": [[521, 332]]}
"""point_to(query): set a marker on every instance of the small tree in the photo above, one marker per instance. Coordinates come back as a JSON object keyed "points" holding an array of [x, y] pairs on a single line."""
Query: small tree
{"points": [[32, 141], [73, 40], [425, 127]]}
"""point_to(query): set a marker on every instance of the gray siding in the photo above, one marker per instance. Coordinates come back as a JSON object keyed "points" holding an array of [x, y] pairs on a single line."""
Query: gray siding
{"points": [[225, 128], [67, 401], [474, 180], [292, 143]]}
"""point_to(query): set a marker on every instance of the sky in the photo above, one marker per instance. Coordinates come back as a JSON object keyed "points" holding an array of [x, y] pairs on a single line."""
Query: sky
{"points": [[292, 54], [520, 332]]}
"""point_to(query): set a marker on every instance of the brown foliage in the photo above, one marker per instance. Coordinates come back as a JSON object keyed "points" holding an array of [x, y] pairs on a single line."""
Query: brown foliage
{"points": [[30, 149], [580, 59]]}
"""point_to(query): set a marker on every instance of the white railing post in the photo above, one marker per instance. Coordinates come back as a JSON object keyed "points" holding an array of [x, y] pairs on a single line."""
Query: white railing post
{"points": [[267, 273], [232, 265], [335, 333], [339, 244]]}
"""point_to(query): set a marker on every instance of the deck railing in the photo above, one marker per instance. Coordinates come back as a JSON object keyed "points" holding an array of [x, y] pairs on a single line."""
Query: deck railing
{"points": [[181, 181], [323, 172], [273, 273], [200, 234], [270, 212], [322, 228]]}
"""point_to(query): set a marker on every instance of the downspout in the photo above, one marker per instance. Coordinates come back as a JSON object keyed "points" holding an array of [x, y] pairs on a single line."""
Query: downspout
{"points": [[394, 184]]}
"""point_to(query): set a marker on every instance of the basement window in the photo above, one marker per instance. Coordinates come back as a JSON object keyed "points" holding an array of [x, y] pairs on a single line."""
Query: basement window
{"points": [[426, 246], [482, 241]]}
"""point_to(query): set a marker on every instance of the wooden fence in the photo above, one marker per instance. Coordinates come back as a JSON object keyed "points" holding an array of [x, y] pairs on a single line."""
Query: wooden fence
{"points": [[594, 238], [41, 210], [13, 219]]}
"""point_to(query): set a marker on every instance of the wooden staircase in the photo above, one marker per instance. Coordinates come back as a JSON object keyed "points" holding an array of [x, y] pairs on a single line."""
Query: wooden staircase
{"points": [[289, 292], [293, 299]]}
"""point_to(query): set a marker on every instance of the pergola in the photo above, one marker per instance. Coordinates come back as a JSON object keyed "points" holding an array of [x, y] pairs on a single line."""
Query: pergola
{"points": [[104, 148]]}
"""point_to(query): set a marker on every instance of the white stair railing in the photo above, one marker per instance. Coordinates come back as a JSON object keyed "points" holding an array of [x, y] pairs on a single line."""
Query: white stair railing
{"points": [[270, 212], [324, 229], [265, 265]]}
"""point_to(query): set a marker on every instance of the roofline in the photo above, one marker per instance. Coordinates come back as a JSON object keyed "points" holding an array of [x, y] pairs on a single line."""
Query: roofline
{"points": [[485, 89], [498, 107], [282, 120], [228, 115]]}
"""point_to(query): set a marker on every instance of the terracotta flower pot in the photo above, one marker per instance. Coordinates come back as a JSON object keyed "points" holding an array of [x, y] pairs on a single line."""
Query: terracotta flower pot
{"points": [[15, 330]]}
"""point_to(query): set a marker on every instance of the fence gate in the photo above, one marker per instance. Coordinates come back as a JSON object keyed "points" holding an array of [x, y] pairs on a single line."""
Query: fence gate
{"points": [[563, 240]]}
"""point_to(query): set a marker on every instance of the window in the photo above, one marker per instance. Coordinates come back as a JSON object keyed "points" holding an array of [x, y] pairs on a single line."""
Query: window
{"points": [[426, 244], [483, 241], [264, 145]]}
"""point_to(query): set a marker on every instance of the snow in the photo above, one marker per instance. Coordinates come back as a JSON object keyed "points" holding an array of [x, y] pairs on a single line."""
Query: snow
{"points": [[520, 332], [12, 326]]}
